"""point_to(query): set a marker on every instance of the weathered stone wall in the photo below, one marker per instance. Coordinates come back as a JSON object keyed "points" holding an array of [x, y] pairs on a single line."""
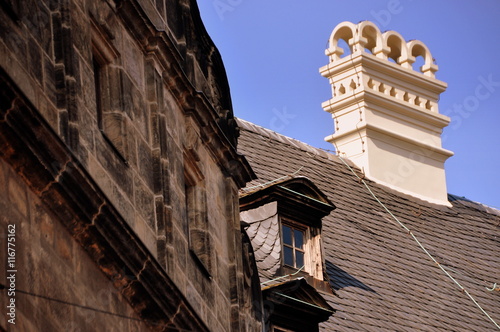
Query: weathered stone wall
{"points": [[137, 92], [57, 286]]}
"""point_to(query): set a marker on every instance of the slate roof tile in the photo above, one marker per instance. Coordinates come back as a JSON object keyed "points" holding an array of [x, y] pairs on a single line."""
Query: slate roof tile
{"points": [[382, 278]]}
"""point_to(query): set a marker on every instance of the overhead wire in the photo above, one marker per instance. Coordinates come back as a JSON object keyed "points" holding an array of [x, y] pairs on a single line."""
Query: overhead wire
{"points": [[462, 288], [361, 180], [84, 307], [492, 288], [303, 302], [260, 220], [282, 277], [265, 184]]}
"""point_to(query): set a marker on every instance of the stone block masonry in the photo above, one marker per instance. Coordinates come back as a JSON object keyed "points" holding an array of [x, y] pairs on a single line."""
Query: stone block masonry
{"points": [[56, 287], [105, 107]]}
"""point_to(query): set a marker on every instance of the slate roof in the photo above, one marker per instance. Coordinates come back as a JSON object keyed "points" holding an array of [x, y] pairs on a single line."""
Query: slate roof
{"points": [[266, 243], [382, 279]]}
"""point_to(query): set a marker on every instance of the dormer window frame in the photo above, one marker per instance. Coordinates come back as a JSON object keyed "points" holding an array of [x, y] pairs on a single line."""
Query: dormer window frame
{"points": [[312, 247], [294, 226]]}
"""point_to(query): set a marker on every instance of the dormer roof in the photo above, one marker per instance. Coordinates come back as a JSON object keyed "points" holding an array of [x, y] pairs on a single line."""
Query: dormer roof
{"points": [[297, 304], [292, 193]]}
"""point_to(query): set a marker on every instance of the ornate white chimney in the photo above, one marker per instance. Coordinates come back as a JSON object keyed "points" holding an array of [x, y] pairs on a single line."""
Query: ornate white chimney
{"points": [[385, 112]]}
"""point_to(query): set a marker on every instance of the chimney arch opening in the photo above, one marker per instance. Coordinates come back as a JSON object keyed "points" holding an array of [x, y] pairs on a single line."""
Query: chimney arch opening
{"points": [[341, 41], [421, 54], [346, 48], [371, 35], [397, 47]]}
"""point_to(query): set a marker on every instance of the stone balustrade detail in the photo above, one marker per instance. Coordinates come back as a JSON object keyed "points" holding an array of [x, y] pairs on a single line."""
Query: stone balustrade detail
{"points": [[390, 45]]}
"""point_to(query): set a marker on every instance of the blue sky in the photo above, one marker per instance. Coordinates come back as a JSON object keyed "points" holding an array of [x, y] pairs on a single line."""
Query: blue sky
{"points": [[272, 51]]}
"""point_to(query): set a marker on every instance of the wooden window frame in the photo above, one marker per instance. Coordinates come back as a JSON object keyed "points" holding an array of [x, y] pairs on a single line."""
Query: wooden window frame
{"points": [[294, 227], [305, 229]]}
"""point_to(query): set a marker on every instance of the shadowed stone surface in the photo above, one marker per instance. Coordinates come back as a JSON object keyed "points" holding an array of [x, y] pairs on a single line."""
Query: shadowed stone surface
{"points": [[100, 103]]}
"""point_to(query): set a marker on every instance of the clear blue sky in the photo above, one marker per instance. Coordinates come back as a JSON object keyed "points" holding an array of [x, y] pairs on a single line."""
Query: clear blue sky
{"points": [[272, 51]]}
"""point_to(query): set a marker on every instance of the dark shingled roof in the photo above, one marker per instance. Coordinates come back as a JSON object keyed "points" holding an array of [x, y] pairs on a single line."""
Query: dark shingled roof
{"points": [[265, 241], [383, 280]]}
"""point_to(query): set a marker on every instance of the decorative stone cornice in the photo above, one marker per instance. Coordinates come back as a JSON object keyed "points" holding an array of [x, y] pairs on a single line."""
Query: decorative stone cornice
{"points": [[204, 96]]}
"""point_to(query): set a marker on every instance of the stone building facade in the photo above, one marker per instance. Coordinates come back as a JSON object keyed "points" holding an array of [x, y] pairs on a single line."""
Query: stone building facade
{"points": [[119, 171], [121, 187]]}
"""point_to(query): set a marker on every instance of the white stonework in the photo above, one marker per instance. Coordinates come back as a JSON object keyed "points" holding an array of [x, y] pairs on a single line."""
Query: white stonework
{"points": [[385, 112]]}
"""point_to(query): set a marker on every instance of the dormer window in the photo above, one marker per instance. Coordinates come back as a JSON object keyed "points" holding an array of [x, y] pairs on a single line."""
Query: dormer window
{"points": [[283, 222], [285, 227]]}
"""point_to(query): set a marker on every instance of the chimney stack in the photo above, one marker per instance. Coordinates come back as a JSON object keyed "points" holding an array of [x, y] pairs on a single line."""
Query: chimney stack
{"points": [[385, 112]]}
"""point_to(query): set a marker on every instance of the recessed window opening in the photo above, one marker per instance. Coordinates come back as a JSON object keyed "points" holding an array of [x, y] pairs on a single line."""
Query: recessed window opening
{"points": [[197, 217], [98, 67]]}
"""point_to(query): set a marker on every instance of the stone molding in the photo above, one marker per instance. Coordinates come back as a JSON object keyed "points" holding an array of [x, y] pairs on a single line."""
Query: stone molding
{"points": [[211, 109]]}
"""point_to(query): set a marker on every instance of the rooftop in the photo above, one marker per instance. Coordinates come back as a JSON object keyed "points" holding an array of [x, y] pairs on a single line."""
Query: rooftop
{"points": [[383, 275]]}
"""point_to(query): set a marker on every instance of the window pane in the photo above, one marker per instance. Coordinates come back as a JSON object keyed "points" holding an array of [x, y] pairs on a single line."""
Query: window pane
{"points": [[287, 235], [299, 238], [288, 256], [300, 259]]}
